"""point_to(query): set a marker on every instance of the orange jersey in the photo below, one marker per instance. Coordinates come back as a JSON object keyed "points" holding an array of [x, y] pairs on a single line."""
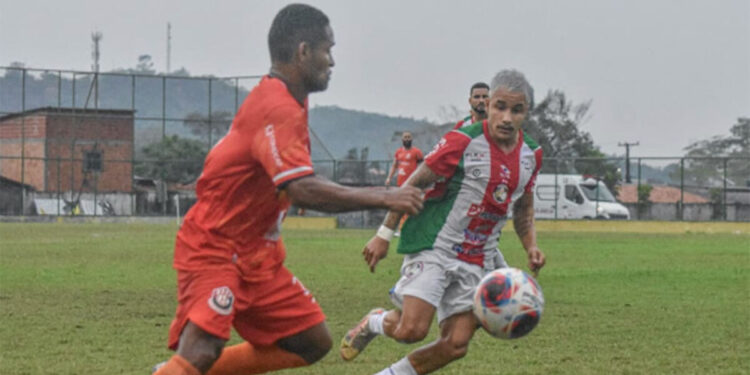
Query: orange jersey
{"points": [[236, 222], [407, 160]]}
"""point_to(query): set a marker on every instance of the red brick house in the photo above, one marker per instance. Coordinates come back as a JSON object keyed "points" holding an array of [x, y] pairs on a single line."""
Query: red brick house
{"points": [[67, 149], [659, 194]]}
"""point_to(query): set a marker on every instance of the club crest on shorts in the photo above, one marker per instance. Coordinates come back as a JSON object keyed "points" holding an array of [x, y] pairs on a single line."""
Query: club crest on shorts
{"points": [[501, 193], [413, 269], [221, 300]]}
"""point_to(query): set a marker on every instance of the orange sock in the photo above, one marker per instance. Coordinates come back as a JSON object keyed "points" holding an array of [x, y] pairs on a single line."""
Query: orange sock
{"points": [[177, 366], [245, 359]]}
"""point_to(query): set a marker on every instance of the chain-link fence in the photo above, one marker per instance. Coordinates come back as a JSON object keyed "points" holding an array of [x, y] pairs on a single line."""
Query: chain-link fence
{"points": [[133, 144], [685, 190]]}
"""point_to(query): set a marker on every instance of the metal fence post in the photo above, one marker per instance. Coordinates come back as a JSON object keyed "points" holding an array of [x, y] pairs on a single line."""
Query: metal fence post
{"points": [[23, 141], [210, 115], [236, 94], [557, 193], [638, 192], [59, 89], [133, 207], [335, 172], [73, 140], [163, 107], [59, 178], [724, 193], [682, 189]]}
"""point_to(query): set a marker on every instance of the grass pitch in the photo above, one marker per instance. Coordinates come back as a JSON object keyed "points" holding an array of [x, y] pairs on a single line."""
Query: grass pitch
{"points": [[98, 299]]}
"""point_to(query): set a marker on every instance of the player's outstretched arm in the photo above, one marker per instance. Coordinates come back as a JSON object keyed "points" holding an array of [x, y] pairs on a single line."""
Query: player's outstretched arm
{"points": [[320, 194], [377, 248], [523, 221]]}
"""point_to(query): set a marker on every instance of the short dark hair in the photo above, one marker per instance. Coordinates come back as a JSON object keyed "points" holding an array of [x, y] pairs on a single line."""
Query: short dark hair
{"points": [[478, 85], [295, 23]]}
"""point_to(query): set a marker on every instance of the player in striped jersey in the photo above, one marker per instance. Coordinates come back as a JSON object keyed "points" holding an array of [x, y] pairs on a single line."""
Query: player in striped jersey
{"points": [[478, 96], [478, 173]]}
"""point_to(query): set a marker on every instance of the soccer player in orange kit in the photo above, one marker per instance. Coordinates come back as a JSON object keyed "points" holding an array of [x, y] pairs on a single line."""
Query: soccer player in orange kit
{"points": [[405, 160], [229, 253]]}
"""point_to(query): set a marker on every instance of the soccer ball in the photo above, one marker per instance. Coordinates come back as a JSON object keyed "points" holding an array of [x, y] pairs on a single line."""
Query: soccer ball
{"points": [[508, 303]]}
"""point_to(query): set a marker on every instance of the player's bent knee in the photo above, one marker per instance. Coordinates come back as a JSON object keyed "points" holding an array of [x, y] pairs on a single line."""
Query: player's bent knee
{"points": [[311, 345], [318, 350], [411, 333], [199, 348]]}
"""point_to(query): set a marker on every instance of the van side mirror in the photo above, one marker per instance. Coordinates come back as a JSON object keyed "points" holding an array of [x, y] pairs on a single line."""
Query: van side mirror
{"points": [[579, 199]]}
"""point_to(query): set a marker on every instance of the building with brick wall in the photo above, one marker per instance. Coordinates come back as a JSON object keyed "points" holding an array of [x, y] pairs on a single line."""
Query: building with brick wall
{"points": [[68, 149]]}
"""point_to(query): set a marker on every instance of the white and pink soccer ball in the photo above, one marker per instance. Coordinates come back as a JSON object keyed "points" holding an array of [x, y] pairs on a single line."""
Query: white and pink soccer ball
{"points": [[508, 303]]}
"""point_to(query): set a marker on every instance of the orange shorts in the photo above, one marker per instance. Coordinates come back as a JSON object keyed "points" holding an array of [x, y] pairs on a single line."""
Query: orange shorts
{"points": [[261, 312]]}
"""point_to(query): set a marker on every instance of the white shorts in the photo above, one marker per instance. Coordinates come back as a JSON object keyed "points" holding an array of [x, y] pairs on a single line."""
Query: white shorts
{"points": [[442, 280]]}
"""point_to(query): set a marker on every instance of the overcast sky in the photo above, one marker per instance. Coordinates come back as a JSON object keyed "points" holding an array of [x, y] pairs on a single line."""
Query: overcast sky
{"points": [[661, 72]]}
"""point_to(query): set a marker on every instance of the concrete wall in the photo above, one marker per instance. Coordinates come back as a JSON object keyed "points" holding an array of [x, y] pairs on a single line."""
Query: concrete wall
{"points": [[693, 212]]}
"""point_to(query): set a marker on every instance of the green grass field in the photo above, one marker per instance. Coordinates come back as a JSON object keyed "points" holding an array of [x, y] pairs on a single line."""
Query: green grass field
{"points": [[98, 299]]}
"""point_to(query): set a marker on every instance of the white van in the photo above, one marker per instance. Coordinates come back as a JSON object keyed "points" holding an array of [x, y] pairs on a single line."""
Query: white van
{"points": [[569, 196]]}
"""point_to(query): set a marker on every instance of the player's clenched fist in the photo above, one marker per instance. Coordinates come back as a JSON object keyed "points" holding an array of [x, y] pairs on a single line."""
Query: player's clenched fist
{"points": [[406, 199]]}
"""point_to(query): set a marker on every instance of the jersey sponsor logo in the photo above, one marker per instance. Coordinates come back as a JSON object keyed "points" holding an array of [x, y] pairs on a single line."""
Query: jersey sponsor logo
{"points": [[480, 211], [474, 238], [486, 225], [476, 156], [491, 217], [459, 249], [221, 300], [476, 172], [501, 193], [272, 141], [474, 210]]}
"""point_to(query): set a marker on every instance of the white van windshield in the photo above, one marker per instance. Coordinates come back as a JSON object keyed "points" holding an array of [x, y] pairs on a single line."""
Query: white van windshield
{"points": [[597, 192]]}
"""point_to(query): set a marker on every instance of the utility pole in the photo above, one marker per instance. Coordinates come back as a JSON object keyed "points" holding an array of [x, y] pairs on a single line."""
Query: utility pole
{"points": [[627, 157], [169, 46], [96, 37]]}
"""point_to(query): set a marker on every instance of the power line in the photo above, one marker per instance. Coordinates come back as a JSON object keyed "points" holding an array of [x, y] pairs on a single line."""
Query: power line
{"points": [[627, 146]]}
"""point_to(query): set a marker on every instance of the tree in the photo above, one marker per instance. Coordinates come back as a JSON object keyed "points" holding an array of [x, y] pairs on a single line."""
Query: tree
{"points": [[644, 198], [173, 159], [555, 124], [145, 65], [212, 130], [711, 172]]}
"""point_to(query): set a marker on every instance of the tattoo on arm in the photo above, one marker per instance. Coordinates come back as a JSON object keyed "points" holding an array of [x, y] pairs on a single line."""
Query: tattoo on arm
{"points": [[422, 178], [523, 220]]}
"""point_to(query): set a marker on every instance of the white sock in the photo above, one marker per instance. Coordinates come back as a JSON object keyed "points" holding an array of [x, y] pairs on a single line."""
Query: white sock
{"points": [[375, 323], [402, 367]]}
